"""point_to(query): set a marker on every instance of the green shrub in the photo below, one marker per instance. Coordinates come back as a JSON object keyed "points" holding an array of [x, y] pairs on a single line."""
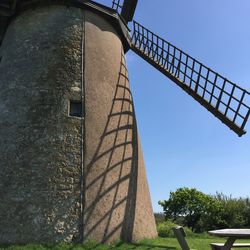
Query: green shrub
{"points": [[164, 229], [159, 218]]}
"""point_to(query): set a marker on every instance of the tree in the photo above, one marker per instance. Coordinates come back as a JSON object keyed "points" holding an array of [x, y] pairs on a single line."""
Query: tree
{"points": [[247, 212], [196, 209], [235, 212]]}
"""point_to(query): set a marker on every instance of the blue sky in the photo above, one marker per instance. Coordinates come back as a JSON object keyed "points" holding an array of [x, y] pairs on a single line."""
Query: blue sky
{"points": [[183, 144]]}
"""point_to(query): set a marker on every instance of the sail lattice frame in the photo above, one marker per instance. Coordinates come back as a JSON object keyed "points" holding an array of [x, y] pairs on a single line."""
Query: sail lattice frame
{"points": [[117, 5], [226, 100]]}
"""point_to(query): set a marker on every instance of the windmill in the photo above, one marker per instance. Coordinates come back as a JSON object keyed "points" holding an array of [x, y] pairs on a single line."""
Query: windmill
{"points": [[71, 165]]}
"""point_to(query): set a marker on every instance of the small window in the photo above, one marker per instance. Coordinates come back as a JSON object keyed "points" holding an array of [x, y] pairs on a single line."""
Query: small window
{"points": [[75, 108]]}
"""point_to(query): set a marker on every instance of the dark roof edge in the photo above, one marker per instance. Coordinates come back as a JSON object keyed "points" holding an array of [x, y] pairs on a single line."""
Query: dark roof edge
{"points": [[108, 13]]}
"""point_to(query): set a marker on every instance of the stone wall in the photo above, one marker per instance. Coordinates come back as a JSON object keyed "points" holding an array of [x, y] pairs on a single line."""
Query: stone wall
{"points": [[66, 178], [40, 145]]}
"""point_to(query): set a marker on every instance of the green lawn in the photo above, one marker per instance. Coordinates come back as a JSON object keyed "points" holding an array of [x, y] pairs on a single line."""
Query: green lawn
{"points": [[157, 244]]}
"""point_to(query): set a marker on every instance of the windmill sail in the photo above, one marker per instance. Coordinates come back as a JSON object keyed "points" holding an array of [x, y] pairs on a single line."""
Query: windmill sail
{"points": [[126, 8], [224, 99], [117, 5]]}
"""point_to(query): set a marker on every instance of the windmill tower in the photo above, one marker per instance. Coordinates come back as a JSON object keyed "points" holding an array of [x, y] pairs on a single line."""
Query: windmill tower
{"points": [[71, 165]]}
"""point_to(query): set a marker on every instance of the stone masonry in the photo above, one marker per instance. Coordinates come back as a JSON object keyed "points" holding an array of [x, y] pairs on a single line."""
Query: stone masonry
{"points": [[65, 178]]}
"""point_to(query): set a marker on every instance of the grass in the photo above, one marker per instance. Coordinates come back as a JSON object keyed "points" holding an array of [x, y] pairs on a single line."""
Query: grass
{"points": [[199, 243]]}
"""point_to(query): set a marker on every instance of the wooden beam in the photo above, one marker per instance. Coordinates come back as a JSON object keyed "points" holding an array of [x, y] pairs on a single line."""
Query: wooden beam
{"points": [[128, 10]]}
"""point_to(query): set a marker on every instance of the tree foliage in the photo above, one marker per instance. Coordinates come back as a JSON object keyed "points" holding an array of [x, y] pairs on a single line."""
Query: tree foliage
{"points": [[201, 212]]}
